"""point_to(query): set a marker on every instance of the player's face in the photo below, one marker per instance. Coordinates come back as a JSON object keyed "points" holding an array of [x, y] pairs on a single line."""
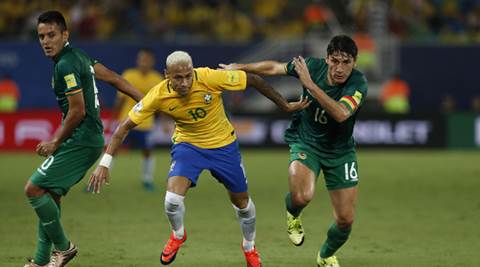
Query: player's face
{"points": [[145, 61], [51, 38], [181, 77], [340, 66]]}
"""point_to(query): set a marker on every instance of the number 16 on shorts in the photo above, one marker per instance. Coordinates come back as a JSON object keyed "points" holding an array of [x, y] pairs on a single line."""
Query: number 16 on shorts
{"points": [[351, 173]]}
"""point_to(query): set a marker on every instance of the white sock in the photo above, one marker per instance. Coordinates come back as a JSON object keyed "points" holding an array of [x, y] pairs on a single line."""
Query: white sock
{"points": [[175, 211], [148, 167], [246, 218]]}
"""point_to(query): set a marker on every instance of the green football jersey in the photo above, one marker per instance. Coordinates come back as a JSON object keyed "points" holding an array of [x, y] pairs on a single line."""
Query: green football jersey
{"points": [[73, 73], [314, 126]]}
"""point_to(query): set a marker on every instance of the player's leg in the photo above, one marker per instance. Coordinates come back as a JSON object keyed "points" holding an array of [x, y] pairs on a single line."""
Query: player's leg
{"points": [[302, 172], [226, 166], [343, 202], [148, 164], [301, 181], [342, 185], [186, 166], [50, 229], [139, 139], [148, 169], [301, 184], [246, 215], [177, 188], [53, 178]]}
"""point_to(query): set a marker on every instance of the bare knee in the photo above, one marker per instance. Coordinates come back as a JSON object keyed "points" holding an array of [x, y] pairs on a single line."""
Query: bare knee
{"points": [[240, 200], [301, 199], [344, 221], [32, 190]]}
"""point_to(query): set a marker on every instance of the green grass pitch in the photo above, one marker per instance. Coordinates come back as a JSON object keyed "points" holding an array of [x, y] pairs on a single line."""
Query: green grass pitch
{"points": [[415, 208]]}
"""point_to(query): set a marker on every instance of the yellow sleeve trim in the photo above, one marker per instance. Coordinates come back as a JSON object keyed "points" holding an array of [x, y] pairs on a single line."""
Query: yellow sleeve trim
{"points": [[74, 92]]}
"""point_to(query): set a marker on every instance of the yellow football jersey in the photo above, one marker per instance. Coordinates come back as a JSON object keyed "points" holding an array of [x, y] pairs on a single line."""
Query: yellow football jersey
{"points": [[143, 82], [199, 117]]}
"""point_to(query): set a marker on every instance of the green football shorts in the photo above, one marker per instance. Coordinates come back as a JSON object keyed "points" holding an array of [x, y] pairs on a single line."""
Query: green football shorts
{"points": [[339, 173], [65, 167]]}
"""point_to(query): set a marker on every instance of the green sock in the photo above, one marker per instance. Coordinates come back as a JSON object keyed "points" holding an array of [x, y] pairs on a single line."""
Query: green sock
{"points": [[336, 237], [295, 211], [44, 246], [49, 215]]}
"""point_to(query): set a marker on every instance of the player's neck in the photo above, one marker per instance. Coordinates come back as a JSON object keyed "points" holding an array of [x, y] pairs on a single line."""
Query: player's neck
{"points": [[144, 72]]}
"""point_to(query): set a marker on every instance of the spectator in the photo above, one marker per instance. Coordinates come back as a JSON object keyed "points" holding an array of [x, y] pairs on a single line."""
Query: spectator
{"points": [[9, 94], [394, 96], [476, 104], [448, 103]]}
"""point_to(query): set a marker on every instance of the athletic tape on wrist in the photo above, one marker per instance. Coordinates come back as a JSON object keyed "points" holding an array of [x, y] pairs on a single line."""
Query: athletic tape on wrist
{"points": [[106, 161]]}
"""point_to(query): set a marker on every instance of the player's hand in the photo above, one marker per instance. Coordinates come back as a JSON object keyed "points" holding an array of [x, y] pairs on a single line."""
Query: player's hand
{"points": [[298, 105], [46, 148], [98, 178], [231, 66], [302, 71]]}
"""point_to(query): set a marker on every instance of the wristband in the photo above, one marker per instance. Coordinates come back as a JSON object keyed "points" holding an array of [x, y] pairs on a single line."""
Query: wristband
{"points": [[106, 161]]}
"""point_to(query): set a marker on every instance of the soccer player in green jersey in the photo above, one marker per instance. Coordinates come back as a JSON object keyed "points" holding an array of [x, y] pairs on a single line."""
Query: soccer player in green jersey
{"points": [[321, 138], [76, 146]]}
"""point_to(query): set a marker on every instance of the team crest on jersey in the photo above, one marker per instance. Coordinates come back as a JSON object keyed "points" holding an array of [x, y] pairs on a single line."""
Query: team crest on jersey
{"points": [[207, 98], [302, 155]]}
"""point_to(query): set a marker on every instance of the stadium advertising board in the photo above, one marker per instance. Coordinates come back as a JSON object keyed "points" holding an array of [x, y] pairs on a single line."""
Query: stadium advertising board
{"points": [[401, 131], [23, 130]]}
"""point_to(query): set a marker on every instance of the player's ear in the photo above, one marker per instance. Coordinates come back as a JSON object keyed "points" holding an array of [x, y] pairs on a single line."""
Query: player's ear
{"points": [[65, 35], [165, 73]]}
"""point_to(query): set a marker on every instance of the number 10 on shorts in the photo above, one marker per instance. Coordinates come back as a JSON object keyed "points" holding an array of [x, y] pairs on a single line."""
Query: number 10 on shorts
{"points": [[351, 172]]}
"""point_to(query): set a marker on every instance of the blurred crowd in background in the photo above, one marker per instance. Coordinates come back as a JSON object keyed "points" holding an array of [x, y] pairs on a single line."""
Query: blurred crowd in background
{"points": [[379, 27], [451, 21]]}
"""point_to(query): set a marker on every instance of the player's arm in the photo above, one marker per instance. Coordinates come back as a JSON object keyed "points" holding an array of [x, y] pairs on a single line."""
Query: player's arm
{"points": [[265, 89], [101, 174], [75, 115], [335, 109], [266, 68], [117, 81]]}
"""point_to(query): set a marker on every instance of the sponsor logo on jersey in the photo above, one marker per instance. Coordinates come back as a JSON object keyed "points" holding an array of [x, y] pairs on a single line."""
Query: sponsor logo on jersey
{"points": [[70, 80]]}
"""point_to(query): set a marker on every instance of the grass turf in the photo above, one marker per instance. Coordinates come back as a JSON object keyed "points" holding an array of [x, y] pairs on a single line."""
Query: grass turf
{"points": [[416, 208]]}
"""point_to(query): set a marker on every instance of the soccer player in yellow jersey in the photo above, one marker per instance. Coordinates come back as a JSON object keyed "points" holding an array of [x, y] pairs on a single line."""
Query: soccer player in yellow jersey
{"points": [[143, 77], [204, 138]]}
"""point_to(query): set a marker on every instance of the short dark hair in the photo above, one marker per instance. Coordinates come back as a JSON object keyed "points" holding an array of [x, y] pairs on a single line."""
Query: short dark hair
{"points": [[53, 16], [344, 44]]}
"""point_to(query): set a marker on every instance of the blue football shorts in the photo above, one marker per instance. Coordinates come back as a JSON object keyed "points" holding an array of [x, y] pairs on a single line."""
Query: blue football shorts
{"points": [[224, 163]]}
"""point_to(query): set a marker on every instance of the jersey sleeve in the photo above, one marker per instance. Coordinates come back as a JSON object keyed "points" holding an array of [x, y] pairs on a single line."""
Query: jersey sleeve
{"points": [[145, 107], [290, 68], [70, 74], [226, 79], [355, 93]]}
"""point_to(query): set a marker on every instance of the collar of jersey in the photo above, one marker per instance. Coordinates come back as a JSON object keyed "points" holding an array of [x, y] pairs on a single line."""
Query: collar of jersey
{"points": [[64, 50]]}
